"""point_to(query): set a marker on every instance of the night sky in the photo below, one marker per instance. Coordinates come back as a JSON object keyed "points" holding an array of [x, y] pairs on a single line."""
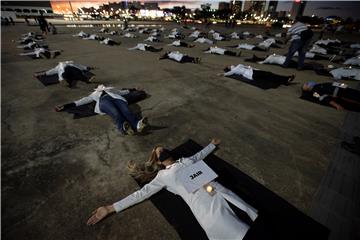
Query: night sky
{"points": [[343, 9]]}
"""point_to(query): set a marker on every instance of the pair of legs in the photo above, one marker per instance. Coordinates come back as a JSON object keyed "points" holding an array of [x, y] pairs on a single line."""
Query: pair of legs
{"points": [[186, 59], [259, 75], [119, 111], [184, 44], [152, 49], [299, 46]]}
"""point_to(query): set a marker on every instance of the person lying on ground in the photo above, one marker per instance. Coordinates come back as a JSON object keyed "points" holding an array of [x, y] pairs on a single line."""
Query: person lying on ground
{"points": [[38, 53], [249, 47], [195, 34], [104, 30], [113, 33], [203, 40], [209, 204], [256, 75], [332, 94], [354, 61], [81, 34], [94, 37], [27, 40], [234, 35], [110, 101], [175, 35], [218, 37], [109, 41], [152, 39], [129, 35], [68, 72], [179, 43], [145, 47], [31, 45], [179, 57], [222, 51]]}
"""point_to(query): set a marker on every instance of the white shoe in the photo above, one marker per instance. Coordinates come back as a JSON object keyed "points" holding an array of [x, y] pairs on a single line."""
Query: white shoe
{"points": [[142, 123]]}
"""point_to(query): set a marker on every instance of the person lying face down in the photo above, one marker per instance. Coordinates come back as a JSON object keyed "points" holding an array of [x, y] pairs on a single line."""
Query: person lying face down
{"points": [[29, 39], [204, 40], [68, 71], [94, 37], [218, 37], [175, 35], [354, 61], [109, 41], [81, 34], [332, 94], [209, 204], [221, 51], [179, 57], [145, 47], [31, 45], [104, 30], [113, 33], [256, 75], [179, 43], [346, 73], [263, 46], [152, 39], [42, 53], [110, 101], [195, 34], [129, 35]]}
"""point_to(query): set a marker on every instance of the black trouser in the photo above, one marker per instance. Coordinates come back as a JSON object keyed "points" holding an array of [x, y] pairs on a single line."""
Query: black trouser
{"points": [[230, 53], [152, 49], [72, 74], [349, 94], [184, 44], [186, 59], [256, 48], [259, 75]]}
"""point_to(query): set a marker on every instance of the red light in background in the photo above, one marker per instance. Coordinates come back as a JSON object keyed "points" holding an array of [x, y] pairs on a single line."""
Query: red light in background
{"points": [[297, 1]]}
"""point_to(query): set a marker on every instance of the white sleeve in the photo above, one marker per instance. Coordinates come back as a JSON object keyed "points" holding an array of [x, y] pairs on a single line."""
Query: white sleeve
{"points": [[231, 72], [27, 54], [144, 193], [52, 71], [120, 92], [84, 100], [79, 66], [203, 153]]}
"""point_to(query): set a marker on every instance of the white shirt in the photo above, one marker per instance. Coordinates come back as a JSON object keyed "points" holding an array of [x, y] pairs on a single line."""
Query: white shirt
{"points": [[176, 43], [295, 30], [60, 68], [37, 52], [246, 33], [212, 212], [211, 31], [326, 42], [177, 56], [195, 34], [267, 43], [259, 36], [217, 36], [105, 41], [356, 45], [95, 96], [204, 40], [150, 39], [307, 54], [91, 37], [81, 34], [274, 59], [129, 35], [245, 46], [278, 35], [245, 71], [317, 49], [140, 46], [234, 35], [29, 45], [352, 73], [216, 50], [353, 61]]}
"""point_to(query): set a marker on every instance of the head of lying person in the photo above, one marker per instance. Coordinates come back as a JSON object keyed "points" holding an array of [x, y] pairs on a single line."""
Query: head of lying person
{"points": [[227, 69], [307, 87], [145, 172]]}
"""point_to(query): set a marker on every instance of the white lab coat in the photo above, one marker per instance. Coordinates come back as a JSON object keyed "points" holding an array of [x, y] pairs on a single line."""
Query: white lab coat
{"points": [[212, 212], [242, 70], [353, 61], [267, 43], [95, 96], [317, 49], [195, 34], [140, 46], [216, 50], [60, 68], [245, 46], [274, 59], [36, 52], [176, 55], [352, 73], [204, 40]]}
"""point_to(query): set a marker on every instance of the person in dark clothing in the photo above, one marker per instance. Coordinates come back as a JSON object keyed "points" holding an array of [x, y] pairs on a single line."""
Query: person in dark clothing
{"points": [[27, 21], [43, 24], [337, 95], [12, 20]]}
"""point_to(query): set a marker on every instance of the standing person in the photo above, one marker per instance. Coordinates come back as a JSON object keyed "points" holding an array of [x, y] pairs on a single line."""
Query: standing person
{"points": [[27, 21], [300, 36], [111, 101], [43, 24], [211, 208], [12, 21]]}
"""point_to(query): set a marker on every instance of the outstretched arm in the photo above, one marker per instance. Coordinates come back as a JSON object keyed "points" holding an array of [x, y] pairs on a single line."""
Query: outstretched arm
{"points": [[147, 191], [205, 151]]}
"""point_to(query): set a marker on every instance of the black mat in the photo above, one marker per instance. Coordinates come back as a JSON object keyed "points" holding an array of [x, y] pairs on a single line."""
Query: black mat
{"points": [[277, 218], [265, 85], [347, 105], [87, 110], [54, 79]]}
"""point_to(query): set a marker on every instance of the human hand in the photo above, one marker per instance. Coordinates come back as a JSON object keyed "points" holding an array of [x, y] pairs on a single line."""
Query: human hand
{"points": [[215, 141], [59, 108], [99, 214]]}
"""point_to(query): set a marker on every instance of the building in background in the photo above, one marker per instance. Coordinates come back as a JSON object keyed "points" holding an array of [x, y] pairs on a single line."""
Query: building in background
{"points": [[236, 6], [224, 6], [297, 9], [21, 9]]}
